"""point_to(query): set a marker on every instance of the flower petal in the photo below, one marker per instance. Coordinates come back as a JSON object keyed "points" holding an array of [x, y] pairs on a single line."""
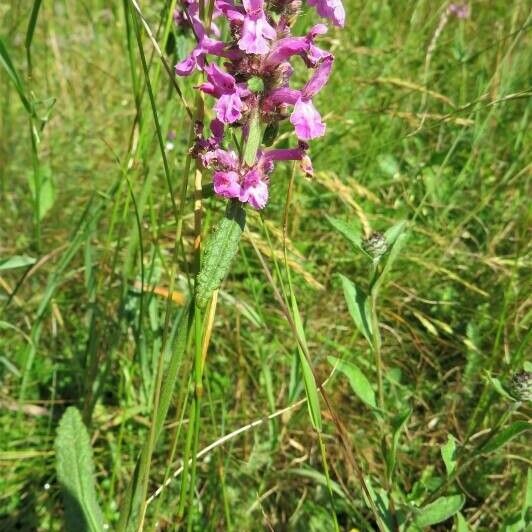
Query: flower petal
{"points": [[226, 184], [229, 108], [307, 121]]}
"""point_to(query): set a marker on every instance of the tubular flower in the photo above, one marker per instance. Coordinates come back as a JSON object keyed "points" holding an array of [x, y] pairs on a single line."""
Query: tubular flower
{"points": [[331, 9]]}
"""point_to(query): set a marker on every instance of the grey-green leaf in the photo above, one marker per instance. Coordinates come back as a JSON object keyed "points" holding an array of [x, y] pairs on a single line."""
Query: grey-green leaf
{"points": [[448, 451], [17, 261], [440, 510], [358, 381], [220, 251], [75, 472], [503, 437], [358, 306]]}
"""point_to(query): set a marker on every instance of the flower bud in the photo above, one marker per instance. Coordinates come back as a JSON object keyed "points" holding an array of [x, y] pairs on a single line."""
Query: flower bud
{"points": [[375, 245], [521, 385]]}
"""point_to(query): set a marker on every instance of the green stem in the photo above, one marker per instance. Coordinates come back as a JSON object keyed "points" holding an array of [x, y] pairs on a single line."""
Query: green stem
{"points": [[376, 340], [328, 479]]}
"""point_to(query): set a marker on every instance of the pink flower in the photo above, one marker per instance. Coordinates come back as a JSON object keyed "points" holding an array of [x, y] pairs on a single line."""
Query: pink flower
{"points": [[230, 11], [287, 47], [222, 160], [306, 120], [223, 86], [305, 117], [196, 60], [459, 10], [227, 184], [255, 29], [254, 189], [331, 9]]}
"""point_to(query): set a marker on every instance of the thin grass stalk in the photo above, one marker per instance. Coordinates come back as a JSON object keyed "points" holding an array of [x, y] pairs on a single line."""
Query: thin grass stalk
{"points": [[291, 294]]}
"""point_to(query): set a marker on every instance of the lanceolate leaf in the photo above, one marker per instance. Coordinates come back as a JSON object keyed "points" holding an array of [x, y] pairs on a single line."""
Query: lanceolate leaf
{"points": [[18, 261], [398, 424], [505, 436], [219, 252], [448, 454], [75, 472], [349, 231], [358, 381], [5, 61], [392, 234], [499, 388], [311, 389], [132, 503], [440, 510], [358, 305], [396, 239]]}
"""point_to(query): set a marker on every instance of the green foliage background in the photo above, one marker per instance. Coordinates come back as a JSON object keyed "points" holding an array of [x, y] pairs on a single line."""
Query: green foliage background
{"points": [[436, 135]]}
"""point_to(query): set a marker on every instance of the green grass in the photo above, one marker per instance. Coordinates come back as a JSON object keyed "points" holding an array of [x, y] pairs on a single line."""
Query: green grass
{"points": [[90, 190]]}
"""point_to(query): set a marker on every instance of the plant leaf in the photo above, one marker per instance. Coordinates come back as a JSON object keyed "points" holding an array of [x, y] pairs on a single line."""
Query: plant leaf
{"points": [[440, 510], [17, 261], [358, 381], [499, 388], [311, 389], [448, 454], [358, 306], [7, 64], [398, 424], [220, 251], [75, 472], [350, 231], [503, 437], [132, 503], [461, 523], [392, 234], [396, 239]]}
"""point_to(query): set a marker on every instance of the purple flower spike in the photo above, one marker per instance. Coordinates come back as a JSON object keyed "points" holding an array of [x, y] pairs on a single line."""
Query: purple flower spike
{"points": [[256, 29], [331, 9], [254, 189], [226, 184]]}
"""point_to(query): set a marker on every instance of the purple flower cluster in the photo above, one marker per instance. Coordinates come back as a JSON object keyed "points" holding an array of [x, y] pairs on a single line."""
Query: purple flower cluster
{"points": [[253, 83], [461, 11]]}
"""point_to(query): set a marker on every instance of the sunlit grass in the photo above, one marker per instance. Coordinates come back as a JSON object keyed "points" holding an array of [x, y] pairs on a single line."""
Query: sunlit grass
{"points": [[443, 146]]}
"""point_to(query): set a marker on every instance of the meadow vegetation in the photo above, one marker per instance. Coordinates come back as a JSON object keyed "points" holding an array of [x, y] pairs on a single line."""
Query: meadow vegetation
{"points": [[419, 424]]}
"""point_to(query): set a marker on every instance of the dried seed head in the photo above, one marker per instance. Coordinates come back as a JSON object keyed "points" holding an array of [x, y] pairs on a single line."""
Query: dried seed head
{"points": [[375, 245], [521, 385]]}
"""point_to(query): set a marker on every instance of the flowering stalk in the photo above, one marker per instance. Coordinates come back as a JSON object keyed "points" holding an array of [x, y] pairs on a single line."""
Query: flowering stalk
{"points": [[252, 91], [248, 77]]}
